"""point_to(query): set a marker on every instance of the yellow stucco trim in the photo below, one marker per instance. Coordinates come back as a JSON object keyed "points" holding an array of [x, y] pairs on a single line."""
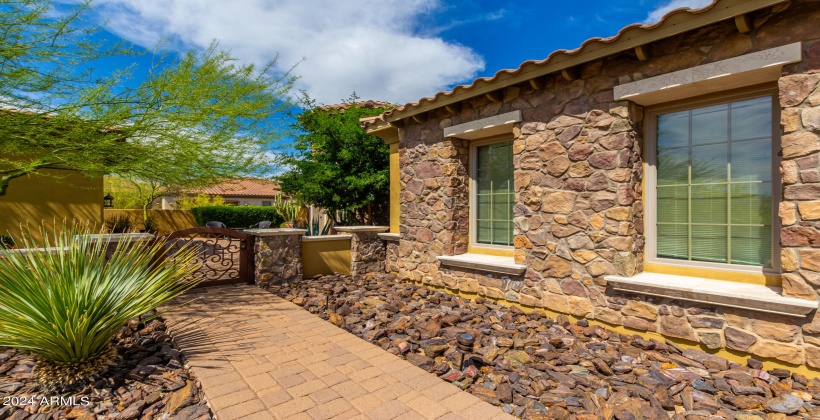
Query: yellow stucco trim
{"points": [[490, 251], [395, 189], [709, 273], [325, 257], [730, 355]]}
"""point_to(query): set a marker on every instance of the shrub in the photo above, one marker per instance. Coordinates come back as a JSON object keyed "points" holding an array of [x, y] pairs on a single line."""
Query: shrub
{"points": [[66, 306], [6, 242], [150, 224], [120, 223], [187, 202], [236, 216]]}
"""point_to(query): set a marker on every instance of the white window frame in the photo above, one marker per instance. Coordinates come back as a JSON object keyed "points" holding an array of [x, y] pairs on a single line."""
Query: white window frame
{"points": [[650, 184], [474, 145]]}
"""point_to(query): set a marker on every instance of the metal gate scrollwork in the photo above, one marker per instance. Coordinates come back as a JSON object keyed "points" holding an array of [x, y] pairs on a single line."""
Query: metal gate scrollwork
{"points": [[223, 255]]}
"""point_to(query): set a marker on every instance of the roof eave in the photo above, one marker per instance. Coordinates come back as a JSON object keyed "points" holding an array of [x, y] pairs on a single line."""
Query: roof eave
{"points": [[674, 23]]}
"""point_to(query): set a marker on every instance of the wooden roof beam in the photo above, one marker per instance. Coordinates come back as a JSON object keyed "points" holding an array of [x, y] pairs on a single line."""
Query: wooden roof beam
{"points": [[495, 96], [642, 52], [538, 83], [744, 23], [570, 73]]}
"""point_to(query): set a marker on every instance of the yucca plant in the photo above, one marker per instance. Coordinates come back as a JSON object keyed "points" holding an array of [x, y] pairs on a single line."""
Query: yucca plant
{"points": [[67, 304]]}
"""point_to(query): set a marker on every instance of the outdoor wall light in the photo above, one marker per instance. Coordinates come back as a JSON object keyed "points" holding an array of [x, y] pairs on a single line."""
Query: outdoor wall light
{"points": [[108, 201]]}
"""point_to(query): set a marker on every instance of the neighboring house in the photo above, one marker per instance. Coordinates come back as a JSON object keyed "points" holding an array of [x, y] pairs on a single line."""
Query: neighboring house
{"points": [[240, 192], [665, 180]]}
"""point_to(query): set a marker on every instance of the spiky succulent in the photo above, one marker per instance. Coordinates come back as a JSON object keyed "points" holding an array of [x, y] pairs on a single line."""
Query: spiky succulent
{"points": [[67, 303]]}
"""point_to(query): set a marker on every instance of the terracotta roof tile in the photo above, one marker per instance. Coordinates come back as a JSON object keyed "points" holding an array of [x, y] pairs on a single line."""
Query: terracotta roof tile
{"points": [[370, 104], [246, 187], [532, 65]]}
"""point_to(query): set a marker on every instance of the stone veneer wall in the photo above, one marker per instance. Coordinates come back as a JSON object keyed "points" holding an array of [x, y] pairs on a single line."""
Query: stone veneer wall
{"points": [[367, 253], [578, 177], [391, 249], [278, 259], [800, 171]]}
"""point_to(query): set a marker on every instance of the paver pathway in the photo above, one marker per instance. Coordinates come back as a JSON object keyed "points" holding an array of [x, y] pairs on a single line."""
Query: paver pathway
{"points": [[259, 356]]}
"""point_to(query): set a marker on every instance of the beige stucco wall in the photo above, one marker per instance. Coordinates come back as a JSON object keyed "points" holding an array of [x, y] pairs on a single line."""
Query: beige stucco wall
{"points": [[54, 197], [167, 220]]}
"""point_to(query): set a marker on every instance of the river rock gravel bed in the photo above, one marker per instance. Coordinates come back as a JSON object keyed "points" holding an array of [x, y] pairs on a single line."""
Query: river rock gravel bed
{"points": [[150, 382], [536, 367]]}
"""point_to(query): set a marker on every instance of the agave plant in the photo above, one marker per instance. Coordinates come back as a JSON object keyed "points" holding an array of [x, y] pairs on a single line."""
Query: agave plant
{"points": [[67, 304]]}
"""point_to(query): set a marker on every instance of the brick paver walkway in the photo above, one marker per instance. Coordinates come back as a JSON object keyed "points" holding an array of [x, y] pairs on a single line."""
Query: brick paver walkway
{"points": [[259, 356]]}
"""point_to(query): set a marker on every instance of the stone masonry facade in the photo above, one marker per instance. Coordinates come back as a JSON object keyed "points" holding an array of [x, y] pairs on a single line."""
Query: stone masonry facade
{"points": [[367, 253], [278, 259], [578, 170]]}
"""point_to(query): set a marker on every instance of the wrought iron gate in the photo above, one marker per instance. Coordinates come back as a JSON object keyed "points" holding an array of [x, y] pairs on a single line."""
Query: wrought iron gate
{"points": [[224, 255]]}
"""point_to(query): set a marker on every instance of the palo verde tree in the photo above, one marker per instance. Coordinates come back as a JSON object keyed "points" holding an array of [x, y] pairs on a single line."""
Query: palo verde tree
{"points": [[337, 166], [192, 120]]}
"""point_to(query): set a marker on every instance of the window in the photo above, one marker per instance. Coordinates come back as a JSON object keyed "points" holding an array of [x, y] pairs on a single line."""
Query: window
{"points": [[492, 193], [266, 203], [713, 183]]}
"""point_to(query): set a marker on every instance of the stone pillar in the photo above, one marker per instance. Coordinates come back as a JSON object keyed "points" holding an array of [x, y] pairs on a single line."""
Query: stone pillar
{"points": [[367, 250], [391, 244], [277, 255]]}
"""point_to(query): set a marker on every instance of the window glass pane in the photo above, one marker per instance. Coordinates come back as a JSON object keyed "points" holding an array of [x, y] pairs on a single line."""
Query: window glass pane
{"points": [[673, 241], [673, 205], [501, 209], [673, 166], [714, 196], [501, 233], [483, 206], [709, 204], [751, 160], [483, 231], [494, 195], [752, 245], [752, 118], [673, 130], [752, 204], [710, 124], [710, 163], [710, 243]]}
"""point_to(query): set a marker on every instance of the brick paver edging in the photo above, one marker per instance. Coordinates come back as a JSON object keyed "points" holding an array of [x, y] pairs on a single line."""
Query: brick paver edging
{"points": [[259, 356]]}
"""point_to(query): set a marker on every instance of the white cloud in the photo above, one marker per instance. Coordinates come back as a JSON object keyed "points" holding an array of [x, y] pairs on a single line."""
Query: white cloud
{"points": [[657, 14], [372, 47]]}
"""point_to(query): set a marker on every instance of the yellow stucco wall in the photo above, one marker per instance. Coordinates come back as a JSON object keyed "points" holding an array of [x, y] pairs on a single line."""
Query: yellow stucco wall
{"points": [[395, 189], [326, 257], [167, 220], [56, 196]]}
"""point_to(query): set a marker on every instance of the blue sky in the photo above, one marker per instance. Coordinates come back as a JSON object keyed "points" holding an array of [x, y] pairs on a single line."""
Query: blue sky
{"points": [[392, 50]]}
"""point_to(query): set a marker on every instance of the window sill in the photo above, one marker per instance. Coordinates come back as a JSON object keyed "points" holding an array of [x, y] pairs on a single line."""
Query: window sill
{"points": [[491, 263], [751, 297]]}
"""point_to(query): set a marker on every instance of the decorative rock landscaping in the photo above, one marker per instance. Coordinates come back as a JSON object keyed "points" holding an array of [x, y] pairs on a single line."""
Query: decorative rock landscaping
{"points": [[536, 367], [150, 382]]}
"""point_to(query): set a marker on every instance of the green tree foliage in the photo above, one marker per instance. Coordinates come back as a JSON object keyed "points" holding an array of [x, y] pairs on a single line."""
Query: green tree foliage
{"points": [[337, 166], [197, 118]]}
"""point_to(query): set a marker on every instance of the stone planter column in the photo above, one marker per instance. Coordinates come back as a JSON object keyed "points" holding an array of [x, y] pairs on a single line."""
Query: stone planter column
{"points": [[277, 255], [367, 250], [391, 243]]}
